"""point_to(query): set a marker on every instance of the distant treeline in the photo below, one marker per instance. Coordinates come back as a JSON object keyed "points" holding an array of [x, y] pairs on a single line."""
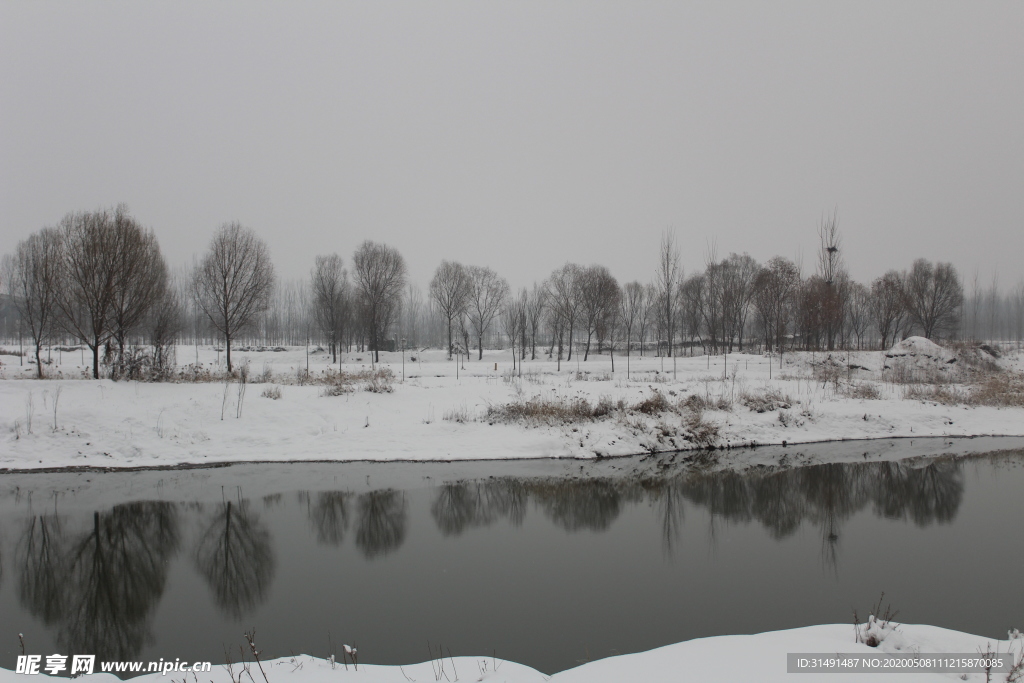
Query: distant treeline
{"points": [[98, 279]]}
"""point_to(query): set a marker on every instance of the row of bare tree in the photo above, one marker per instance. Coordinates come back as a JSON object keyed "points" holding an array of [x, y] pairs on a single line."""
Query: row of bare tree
{"points": [[99, 278], [716, 309]]}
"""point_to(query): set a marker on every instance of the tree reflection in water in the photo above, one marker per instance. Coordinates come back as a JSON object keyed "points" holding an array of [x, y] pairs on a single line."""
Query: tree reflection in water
{"points": [[101, 587], [381, 525], [582, 504], [329, 516], [462, 505], [824, 495], [235, 557], [41, 557], [97, 587]]}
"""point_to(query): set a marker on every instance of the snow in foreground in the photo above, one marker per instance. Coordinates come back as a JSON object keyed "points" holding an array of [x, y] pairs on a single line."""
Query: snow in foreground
{"points": [[441, 410], [722, 659]]}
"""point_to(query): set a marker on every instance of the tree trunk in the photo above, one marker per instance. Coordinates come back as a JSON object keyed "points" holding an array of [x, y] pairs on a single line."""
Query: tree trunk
{"points": [[39, 363], [480, 347]]}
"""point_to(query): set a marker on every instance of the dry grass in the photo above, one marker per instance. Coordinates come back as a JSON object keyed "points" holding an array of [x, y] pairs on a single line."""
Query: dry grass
{"points": [[1001, 389], [338, 383], [862, 390], [700, 431], [564, 409], [937, 393], [459, 414], [706, 402], [273, 392], [766, 400], [653, 404], [555, 410]]}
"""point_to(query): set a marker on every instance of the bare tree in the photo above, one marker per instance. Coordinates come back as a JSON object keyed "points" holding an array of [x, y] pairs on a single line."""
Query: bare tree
{"points": [[1018, 311], [712, 300], [831, 270], [631, 305], [88, 277], [647, 310], [513, 319], [330, 299], [487, 293], [380, 278], [667, 277], [934, 297], [165, 321], [739, 272], [140, 281], [32, 279], [449, 289], [565, 302], [888, 306], [536, 304], [412, 313], [858, 310], [608, 323], [598, 294], [776, 285], [233, 283]]}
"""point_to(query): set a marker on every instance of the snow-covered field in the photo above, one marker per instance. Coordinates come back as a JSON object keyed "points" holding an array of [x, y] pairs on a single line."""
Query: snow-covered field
{"points": [[722, 659], [440, 410]]}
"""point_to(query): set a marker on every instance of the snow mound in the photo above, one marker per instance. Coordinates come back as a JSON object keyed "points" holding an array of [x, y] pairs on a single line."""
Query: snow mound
{"points": [[919, 353]]}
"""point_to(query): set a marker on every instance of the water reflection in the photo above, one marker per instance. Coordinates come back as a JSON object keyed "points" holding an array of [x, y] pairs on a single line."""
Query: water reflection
{"points": [[823, 495], [581, 504], [40, 557], [464, 505], [235, 557], [381, 526], [329, 516], [99, 587], [95, 580]]}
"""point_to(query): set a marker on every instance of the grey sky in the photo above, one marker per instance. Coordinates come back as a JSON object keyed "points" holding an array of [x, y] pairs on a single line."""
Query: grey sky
{"points": [[521, 135]]}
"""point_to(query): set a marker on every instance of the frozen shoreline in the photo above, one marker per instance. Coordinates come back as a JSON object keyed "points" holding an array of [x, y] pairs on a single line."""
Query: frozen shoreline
{"points": [[440, 413]]}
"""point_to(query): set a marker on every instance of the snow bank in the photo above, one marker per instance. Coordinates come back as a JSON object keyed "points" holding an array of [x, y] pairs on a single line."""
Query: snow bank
{"points": [[919, 353], [440, 411], [722, 659]]}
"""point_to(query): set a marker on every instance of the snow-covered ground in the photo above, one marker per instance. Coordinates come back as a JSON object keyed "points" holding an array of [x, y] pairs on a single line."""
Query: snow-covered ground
{"points": [[439, 411], [722, 659]]}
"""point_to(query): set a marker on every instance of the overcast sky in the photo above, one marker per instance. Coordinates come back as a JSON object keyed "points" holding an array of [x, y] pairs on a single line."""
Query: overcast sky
{"points": [[523, 134]]}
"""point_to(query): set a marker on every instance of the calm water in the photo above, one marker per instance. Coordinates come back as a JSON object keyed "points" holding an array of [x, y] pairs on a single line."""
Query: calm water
{"points": [[545, 570]]}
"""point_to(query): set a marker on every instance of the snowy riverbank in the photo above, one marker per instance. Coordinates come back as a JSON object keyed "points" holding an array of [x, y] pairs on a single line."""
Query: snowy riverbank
{"points": [[723, 659], [441, 410]]}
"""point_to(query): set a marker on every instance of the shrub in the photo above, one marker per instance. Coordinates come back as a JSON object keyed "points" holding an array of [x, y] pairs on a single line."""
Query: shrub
{"points": [[273, 392], [379, 382]]}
